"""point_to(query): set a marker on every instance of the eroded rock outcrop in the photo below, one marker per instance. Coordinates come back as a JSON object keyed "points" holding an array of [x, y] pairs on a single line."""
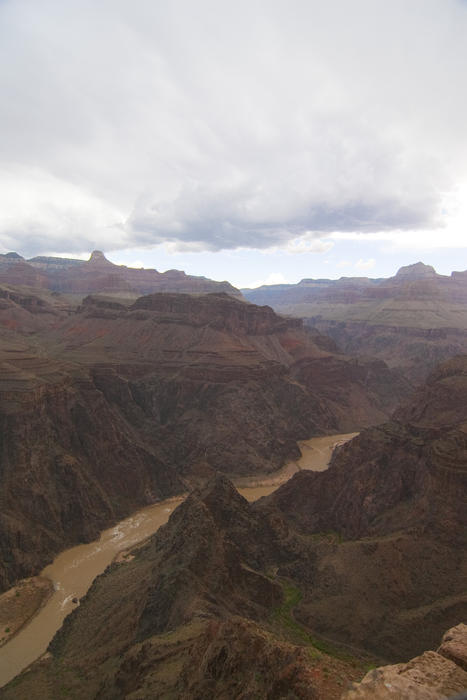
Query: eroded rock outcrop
{"points": [[454, 645], [431, 676]]}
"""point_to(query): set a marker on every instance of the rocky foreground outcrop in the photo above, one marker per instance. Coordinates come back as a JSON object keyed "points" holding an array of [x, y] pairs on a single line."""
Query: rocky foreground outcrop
{"points": [[412, 321], [111, 407], [432, 676]]}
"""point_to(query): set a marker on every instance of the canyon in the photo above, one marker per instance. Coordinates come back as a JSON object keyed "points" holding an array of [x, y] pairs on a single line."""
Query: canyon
{"points": [[366, 558], [111, 401], [110, 406]]}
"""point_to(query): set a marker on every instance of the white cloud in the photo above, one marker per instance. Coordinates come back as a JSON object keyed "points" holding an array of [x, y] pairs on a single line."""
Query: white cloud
{"points": [[365, 264], [308, 243], [216, 125], [46, 213], [451, 231], [272, 278]]}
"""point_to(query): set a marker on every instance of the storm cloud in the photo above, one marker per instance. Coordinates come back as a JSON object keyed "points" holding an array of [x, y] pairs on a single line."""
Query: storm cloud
{"points": [[215, 125]]}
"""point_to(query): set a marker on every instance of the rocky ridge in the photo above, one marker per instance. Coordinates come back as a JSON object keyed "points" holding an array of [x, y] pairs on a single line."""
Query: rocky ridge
{"points": [[191, 616], [78, 277]]}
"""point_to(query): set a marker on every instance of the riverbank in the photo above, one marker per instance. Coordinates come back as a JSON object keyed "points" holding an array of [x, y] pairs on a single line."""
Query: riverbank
{"points": [[20, 603]]}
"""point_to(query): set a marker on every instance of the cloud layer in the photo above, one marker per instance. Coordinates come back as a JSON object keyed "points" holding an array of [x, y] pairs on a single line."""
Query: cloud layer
{"points": [[217, 125]]}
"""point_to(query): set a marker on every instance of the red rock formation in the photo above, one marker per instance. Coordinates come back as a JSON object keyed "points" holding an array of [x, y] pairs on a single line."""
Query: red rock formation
{"points": [[100, 275], [192, 615]]}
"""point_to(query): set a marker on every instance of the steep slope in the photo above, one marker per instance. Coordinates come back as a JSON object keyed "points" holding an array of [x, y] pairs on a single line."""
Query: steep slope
{"points": [[412, 321], [78, 277], [115, 407], [395, 497]]}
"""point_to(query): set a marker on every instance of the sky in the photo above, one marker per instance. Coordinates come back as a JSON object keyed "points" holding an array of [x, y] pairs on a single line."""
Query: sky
{"points": [[260, 141]]}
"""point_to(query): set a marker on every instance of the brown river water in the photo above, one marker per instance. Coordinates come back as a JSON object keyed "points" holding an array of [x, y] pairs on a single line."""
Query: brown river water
{"points": [[73, 571]]}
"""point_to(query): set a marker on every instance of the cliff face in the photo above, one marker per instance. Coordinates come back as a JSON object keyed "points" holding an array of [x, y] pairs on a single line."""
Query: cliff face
{"points": [[395, 499], [113, 407], [409, 473], [100, 275], [412, 321], [70, 465]]}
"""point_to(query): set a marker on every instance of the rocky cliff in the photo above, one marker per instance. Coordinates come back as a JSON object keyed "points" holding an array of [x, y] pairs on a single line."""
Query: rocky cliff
{"points": [[432, 676]]}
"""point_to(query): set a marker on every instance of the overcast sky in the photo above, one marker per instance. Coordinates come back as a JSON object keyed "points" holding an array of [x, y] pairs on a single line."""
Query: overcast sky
{"points": [[258, 140]]}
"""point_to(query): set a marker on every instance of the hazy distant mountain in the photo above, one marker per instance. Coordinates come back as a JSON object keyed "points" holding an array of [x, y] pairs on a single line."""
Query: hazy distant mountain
{"points": [[412, 320], [98, 274]]}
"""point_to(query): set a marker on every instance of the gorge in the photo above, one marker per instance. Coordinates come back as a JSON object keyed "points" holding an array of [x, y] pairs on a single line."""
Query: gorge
{"points": [[113, 402]]}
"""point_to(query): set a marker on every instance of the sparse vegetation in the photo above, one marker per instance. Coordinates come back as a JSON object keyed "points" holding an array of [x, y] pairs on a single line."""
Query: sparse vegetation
{"points": [[283, 616]]}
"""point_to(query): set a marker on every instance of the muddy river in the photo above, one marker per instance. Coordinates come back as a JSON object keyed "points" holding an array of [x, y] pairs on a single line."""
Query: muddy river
{"points": [[73, 571]]}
